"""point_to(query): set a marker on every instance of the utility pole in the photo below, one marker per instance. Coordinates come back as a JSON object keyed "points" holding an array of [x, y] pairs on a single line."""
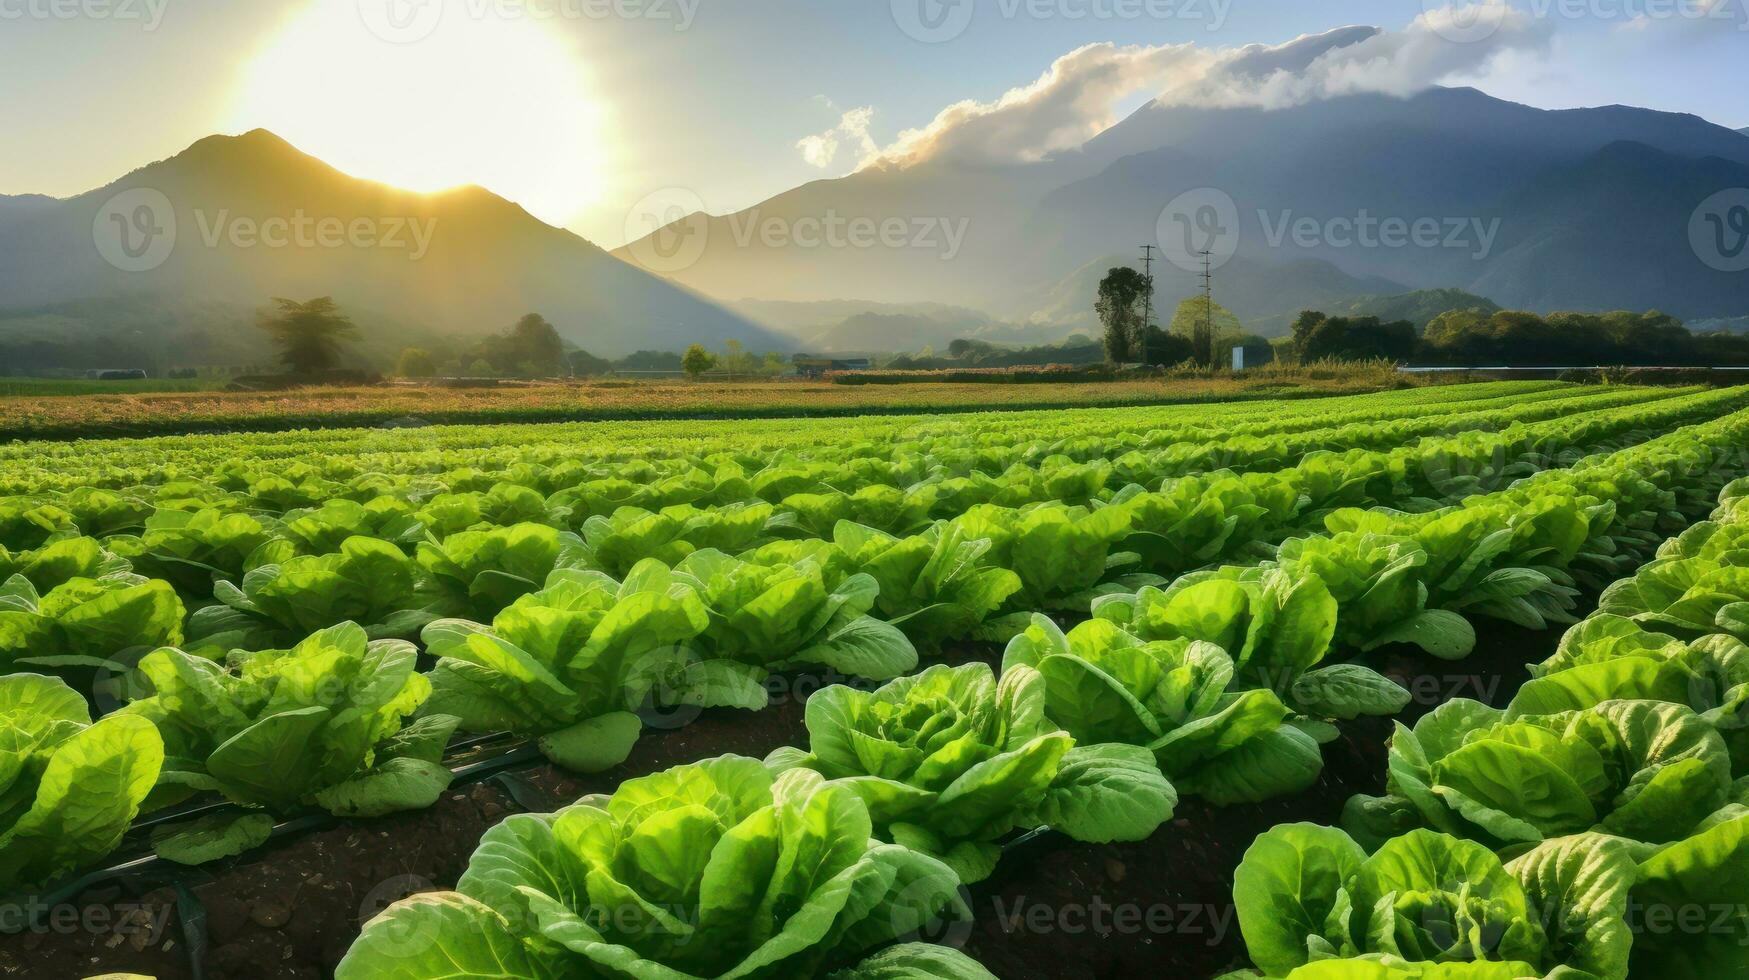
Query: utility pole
{"points": [[1148, 317], [1208, 304]]}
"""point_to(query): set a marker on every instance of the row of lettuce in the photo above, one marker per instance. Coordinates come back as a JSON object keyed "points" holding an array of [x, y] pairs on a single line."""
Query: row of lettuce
{"points": [[41, 467], [947, 764], [270, 714], [1215, 684], [1598, 826]]}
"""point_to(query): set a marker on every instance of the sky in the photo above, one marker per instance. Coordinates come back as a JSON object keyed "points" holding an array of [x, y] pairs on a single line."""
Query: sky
{"points": [[583, 111]]}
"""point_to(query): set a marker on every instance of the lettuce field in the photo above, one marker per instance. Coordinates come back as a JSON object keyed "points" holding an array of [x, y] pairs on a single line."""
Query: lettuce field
{"points": [[1447, 682]]}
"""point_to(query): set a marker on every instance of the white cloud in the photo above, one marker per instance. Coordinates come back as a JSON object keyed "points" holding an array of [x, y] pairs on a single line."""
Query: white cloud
{"points": [[1079, 96], [821, 149]]}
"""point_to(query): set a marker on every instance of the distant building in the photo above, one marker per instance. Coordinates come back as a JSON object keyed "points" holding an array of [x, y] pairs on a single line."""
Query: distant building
{"points": [[819, 367], [116, 374]]}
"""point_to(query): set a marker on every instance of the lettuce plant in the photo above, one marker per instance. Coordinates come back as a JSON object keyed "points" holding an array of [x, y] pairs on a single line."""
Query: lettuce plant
{"points": [[1697, 595], [321, 724], [62, 560], [781, 616], [1313, 906], [1276, 629], [936, 586], [1645, 771], [949, 762], [888, 509], [192, 550], [480, 572], [711, 870], [367, 581], [631, 535], [1059, 552], [84, 624], [1378, 583], [572, 663], [29, 522], [1173, 698], [68, 788], [322, 530], [502, 505]]}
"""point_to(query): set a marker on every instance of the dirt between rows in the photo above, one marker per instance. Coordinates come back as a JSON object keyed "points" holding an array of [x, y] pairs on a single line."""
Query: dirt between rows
{"points": [[1054, 910]]}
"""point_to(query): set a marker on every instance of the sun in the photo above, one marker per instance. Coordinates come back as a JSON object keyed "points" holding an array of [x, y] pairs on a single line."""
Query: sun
{"points": [[468, 97]]}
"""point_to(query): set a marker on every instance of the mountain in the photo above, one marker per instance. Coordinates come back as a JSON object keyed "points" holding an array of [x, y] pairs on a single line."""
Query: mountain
{"points": [[234, 221], [863, 327], [1473, 170]]}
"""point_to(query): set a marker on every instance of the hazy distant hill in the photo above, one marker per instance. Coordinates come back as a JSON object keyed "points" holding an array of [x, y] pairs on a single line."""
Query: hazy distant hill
{"points": [[482, 262], [1457, 157]]}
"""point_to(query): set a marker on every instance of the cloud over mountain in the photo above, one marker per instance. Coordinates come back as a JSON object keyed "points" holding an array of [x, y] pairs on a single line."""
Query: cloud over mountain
{"points": [[1080, 95]]}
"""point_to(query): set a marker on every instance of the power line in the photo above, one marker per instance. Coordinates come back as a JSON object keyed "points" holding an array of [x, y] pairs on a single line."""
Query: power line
{"points": [[1148, 277]]}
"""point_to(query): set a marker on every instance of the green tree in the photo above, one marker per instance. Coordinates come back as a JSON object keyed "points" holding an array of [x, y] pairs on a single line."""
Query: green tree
{"points": [[1122, 309], [587, 365], [773, 364], [415, 363], [1210, 328], [696, 361], [311, 336], [737, 361], [537, 346]]}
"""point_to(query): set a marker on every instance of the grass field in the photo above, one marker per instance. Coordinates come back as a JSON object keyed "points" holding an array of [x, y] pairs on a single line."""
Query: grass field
{"points": [[34, 410]]}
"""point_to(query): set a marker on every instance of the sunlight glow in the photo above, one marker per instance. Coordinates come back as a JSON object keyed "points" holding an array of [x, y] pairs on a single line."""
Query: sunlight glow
{"points": [[503, 103]]}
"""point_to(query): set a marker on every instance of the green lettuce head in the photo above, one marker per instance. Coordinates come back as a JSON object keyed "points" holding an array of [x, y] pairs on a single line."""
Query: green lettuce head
{"points": [[85, 626], [321, 724], [782, 616], [367, 581], [68, 788], [572, 663], [480, 572], [1312, 904], [712, 870], [950, 762], [1645, 771], [1174, 698]]}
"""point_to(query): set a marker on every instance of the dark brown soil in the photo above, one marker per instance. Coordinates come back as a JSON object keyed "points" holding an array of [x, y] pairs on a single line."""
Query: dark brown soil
{"points": [[1055, 909]]}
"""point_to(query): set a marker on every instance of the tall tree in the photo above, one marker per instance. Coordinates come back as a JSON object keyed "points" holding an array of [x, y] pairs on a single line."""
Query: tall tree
{"points": [[311, 336], [538, 348], [1122, 309], [696, 361], [1210, 328]]}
